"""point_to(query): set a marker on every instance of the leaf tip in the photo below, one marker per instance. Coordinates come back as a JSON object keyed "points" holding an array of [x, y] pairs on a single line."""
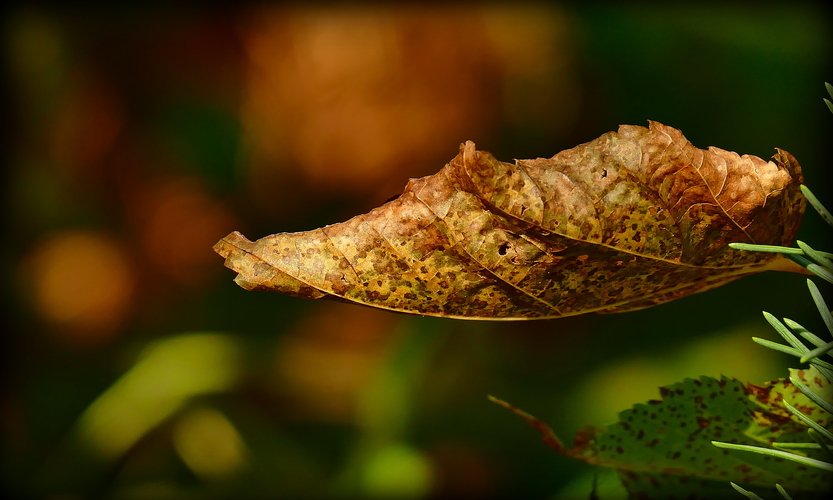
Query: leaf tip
{"points": [[232, 243]]}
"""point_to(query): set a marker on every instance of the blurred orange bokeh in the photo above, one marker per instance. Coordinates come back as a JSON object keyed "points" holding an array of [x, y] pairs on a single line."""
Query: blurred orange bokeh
{"points": [[323, 364], [398, 79], [177, 222], [82, 283], [353, 100]]}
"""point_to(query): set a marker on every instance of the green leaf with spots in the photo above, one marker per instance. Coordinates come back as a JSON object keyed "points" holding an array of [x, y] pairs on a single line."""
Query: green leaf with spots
{"points": [[772, 396], [662, 448], [632, 219]]}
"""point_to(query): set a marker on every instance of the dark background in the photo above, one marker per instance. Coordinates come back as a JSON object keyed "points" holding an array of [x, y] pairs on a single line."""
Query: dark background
{"points": [[135, 368]]}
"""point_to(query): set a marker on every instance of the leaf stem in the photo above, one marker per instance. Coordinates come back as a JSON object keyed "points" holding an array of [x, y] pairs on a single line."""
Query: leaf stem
{"points": [[815, 255], [797, 446], [820, 440], [824, 367], [748, 494], [775, 249], [807, 334], [783, 492], [818, 351], [810, 422], [811, 462], [818, 270], [785, 332], [812, 395], [825, 214], [821, 305]]}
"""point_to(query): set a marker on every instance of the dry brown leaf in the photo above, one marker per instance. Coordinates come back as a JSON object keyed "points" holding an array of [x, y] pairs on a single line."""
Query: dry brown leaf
{"points": [[632, 219]]}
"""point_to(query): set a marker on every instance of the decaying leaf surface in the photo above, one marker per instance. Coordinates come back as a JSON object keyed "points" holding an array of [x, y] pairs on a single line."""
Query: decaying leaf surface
{"points": [[632, 219], [663, 447]]}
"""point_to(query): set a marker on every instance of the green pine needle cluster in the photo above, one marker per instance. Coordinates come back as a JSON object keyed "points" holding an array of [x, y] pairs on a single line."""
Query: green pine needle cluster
{"points": [[820, 264]]}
